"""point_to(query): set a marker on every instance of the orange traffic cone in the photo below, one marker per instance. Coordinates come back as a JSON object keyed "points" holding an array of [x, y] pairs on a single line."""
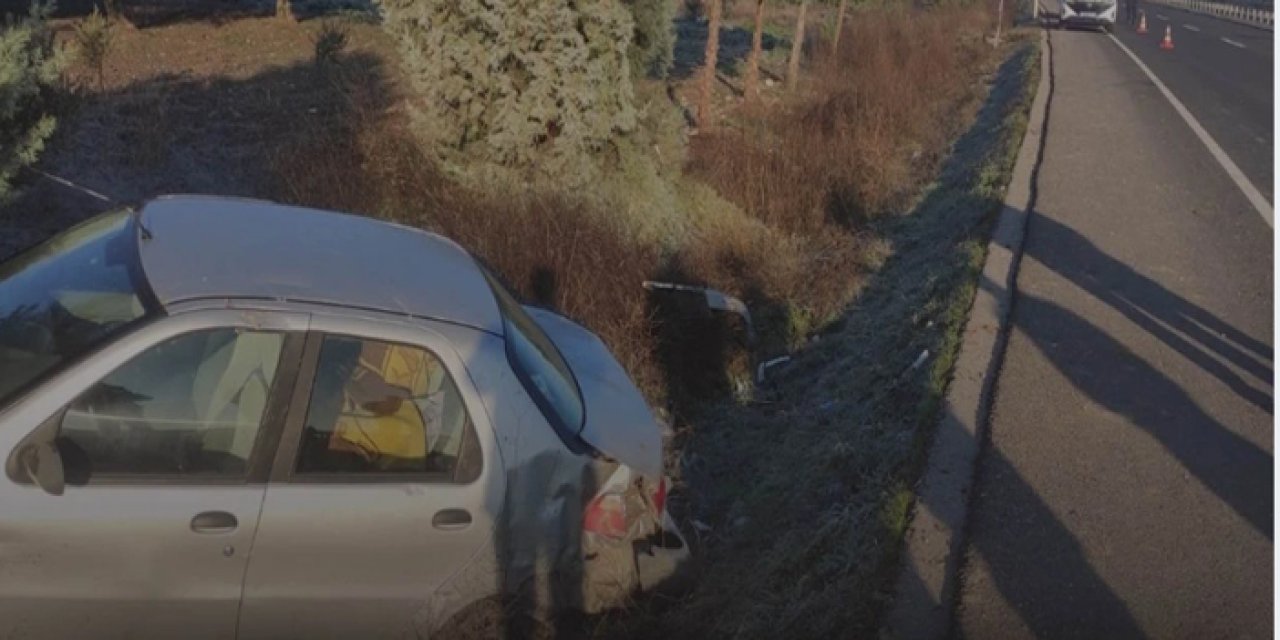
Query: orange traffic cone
{"points": [[1167, 43], [1142, 23]]}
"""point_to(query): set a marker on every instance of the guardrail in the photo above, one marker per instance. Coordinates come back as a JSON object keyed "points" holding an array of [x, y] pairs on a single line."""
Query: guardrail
{"points": [[1264, 18]]}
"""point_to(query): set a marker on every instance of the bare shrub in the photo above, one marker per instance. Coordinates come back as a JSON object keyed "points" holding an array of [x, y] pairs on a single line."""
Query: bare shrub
{"points": [[330, 41]]}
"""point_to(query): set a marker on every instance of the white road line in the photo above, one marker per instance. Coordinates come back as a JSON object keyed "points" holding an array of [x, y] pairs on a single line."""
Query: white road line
{"points": [[1190, 27], [1233, 43], [1250, 192]]}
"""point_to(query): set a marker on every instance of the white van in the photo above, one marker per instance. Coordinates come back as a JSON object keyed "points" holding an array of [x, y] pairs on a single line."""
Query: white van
{"points": [[1088, 13]]}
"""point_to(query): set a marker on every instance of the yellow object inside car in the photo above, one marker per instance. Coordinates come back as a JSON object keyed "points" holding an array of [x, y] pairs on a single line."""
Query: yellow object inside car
{"points": [[382, 415]]}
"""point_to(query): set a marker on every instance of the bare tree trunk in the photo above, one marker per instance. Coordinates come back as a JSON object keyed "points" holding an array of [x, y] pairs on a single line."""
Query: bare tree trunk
{"points": [[835, 42], [797, 42], [709, 64], [999, 21], [752, 85], [283, 10]]}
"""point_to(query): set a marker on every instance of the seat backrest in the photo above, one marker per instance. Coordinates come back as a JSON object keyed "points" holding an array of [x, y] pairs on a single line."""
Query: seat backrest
{"points": [[231, 387]]}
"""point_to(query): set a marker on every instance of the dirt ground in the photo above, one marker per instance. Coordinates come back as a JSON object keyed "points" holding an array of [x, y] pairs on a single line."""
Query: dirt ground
{"points": [[194, 104]]}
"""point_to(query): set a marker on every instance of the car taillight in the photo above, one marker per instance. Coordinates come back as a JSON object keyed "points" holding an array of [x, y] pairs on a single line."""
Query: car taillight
{"points": [[607, 516], [660, 497]]}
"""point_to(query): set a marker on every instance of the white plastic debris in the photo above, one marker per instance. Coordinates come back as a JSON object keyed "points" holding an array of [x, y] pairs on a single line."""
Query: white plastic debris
{"points": [[764, 366], [924, 355]]}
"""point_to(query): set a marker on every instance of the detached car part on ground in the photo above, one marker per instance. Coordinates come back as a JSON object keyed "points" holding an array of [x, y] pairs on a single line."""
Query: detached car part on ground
{"points": [[1088, 13], [227, 418]]}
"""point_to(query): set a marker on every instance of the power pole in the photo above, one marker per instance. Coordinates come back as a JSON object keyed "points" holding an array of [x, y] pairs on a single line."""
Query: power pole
{"points": [[797, 43]]}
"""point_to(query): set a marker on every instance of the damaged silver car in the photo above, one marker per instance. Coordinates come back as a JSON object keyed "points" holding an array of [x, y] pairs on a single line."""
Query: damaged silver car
{"points": [[228, 418]]}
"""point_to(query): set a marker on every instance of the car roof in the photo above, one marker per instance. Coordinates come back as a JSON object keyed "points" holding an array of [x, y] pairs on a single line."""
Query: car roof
{"points": [[200, 247]]}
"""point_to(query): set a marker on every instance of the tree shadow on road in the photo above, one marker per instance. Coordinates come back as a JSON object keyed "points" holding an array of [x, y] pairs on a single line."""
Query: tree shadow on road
{"points": [[1111, 375], [1186, 328], [1041, 564], [1025, 549]]}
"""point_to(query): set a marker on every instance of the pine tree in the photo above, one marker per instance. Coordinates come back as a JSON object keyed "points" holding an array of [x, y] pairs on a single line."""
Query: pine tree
{"points": [[652, 46], [29, 70], [518, 83]]}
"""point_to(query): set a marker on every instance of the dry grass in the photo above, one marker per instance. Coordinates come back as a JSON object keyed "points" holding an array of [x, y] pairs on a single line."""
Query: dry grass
{"points": [[874, 127], [233, 51]]}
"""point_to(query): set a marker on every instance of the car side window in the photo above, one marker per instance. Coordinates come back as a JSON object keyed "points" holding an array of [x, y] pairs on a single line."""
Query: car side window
{"points": [[383, 408], [190, 405]]}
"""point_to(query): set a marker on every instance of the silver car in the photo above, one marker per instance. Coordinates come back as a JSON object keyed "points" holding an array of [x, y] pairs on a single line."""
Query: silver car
{"points": [[228, 418]]}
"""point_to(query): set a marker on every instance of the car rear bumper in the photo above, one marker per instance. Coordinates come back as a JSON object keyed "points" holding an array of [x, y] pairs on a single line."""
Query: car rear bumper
{"points": [[615, 570], [659, 559], [1088, 13]]}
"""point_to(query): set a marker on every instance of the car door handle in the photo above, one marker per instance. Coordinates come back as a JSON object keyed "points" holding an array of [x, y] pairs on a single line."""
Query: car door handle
{"points": [[451, 519], [214, 522]]}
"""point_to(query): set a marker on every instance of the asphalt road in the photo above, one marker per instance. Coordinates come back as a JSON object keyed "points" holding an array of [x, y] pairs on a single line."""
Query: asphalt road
{"points": [[1224, 73], [1127, 486]]}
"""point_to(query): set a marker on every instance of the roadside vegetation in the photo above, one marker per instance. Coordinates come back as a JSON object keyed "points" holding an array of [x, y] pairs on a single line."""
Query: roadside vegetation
{"points": [[29, 75], [842, 191]]}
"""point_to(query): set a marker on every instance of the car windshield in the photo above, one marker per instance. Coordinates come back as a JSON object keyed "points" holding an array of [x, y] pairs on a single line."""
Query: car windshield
{"points": [[539, 365], [64, 297]]}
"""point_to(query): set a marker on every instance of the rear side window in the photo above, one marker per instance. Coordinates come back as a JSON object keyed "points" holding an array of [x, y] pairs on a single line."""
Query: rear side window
{"points": [[386, 408], [539, 365]]}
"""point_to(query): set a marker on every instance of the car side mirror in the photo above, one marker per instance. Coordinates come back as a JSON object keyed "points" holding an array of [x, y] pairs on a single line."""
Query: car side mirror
{"points": [[42, 463]]}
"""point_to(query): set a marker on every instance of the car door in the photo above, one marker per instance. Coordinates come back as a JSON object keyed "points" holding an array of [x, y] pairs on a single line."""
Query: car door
{"points": [[378, 520], [166, 438]]}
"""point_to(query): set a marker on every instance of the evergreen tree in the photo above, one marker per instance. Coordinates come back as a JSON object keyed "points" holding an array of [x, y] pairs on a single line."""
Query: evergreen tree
{"points": [[29, 69], [541, 84], [652, 46]]}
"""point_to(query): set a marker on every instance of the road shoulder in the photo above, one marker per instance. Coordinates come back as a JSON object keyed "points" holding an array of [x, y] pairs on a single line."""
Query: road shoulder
{"points": [[927, 583]]}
